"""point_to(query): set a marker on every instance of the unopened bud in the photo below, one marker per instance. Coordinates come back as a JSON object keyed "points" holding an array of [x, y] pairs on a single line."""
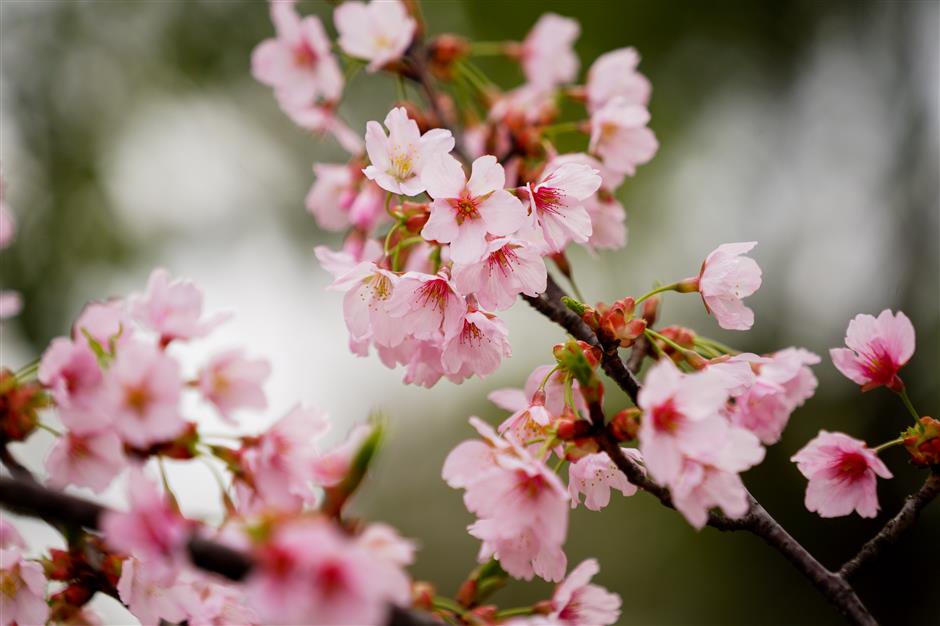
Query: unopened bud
{"points": [[651, 309], [923, 441], [570, 429], [625, 425], [422, 595]]}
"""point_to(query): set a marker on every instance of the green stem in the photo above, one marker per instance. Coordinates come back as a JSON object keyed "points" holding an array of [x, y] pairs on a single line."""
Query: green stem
{"points": [[388, 203], [49, 429], [447, 604], [569, 393], [547, 376], [907, 402], [717, 345], [487, 48], [388, 237], [888, 444], [563, 127], [473, 77], [669, 287], [520, 610], [652, 333]]}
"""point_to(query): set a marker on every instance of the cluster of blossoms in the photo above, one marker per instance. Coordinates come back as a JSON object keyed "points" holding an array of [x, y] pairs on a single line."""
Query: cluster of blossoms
{"points": [[451, 212]]}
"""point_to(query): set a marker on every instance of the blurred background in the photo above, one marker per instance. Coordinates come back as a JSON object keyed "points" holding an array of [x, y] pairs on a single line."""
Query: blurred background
{"points": [[132, 135]]}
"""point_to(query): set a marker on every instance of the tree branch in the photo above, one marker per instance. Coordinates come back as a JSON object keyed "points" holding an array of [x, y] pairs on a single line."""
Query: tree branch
{"points": [[27, 497], [896, 526], [757, 520]]}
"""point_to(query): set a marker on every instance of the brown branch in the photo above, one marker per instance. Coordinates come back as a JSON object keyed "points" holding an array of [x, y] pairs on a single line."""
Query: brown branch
{"points": [[27, 497], [896, 526], [757, 520]]}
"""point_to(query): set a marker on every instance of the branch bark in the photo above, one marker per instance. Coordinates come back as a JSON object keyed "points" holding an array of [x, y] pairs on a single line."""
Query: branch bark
{"points": [[758, 521]]}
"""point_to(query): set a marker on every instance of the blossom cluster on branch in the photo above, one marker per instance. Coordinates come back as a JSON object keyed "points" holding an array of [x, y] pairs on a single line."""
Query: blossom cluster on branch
{"points": [[454, 207]]}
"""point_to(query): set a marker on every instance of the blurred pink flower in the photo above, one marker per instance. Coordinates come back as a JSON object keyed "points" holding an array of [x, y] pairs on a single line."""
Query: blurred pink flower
{"points": [[620, 136], [173, 309], [614, 75], [842, 473], [232, 381], [548, 56], [71, 373], [23, 591], [90, 460], [298, 62], [577, 602], [378, 32], [878, 347]]}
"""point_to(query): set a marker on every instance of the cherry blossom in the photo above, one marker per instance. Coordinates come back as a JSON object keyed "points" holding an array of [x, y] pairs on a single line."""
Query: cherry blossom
{"points": [[152, 531], [399, 158], [578, 602], [527, 423], [323, 119], [279, 463], [107, 323], [384, 542], [682, 417], [725, 279], [298, 63], [478, 348], [149, 596], [9, 536], [508, 267], [310, 572], [516, 399], [367, 305], [378, 32], [210, 603], [547, 53], [521, 504], [878, 347], [620, 136], [71, 373], [231, 381], [148, 387], [465, 212], [428, 305], [595, 475], [340, 197], [11, 303], [614, 75], [842, 473], [173, 309], [22, 590], [421, 357], [86, 460], [331, 468], [556, 204]]}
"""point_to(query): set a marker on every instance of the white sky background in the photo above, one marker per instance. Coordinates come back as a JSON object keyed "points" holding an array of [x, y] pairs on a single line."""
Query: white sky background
{"points": [[751, 166]]}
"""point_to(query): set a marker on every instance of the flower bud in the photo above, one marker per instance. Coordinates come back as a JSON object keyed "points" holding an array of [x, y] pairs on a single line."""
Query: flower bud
{"points": [[625, 425], [651, 309], [19, 403], [443, 51], [569, 429], [923, 442], [422, 595]]}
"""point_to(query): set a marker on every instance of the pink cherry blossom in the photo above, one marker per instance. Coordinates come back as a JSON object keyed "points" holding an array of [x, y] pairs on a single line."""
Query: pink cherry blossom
{"points": [[614, 75], [384, 542], [9, 536], [554, 390], [556, 204], [11, 303], [529, 103], [232, 381], [399, 158], [521, 504], [465, 212], [298, 63], [529, 421], [210, 603], [378, 32], [509, 266], [368, 304], [783, 384], [681, 417], [878, 347], [595, 475], [548, 56], [478, 348], [355, 250], [279, 463], [71, 373], [149, 596], [331, 468], [620, 136], [88, 460], [578, 602], [310, 572], [324, 120], [428, 305], [147, 386], [842, 474], [107, 323], [727, 277], [340, 197], [710, 479], [22, 590], [608, 217], [421, 357], [152, 531], [173, 309]]}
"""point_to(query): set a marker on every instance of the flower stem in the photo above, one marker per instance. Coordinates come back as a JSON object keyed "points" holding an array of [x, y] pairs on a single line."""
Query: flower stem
{"points": [[888, 444], [520, 610], [907, 403], [669, 342], [563, 127], [487, 48], [547, 376], [669, 287], [49, 429]]}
